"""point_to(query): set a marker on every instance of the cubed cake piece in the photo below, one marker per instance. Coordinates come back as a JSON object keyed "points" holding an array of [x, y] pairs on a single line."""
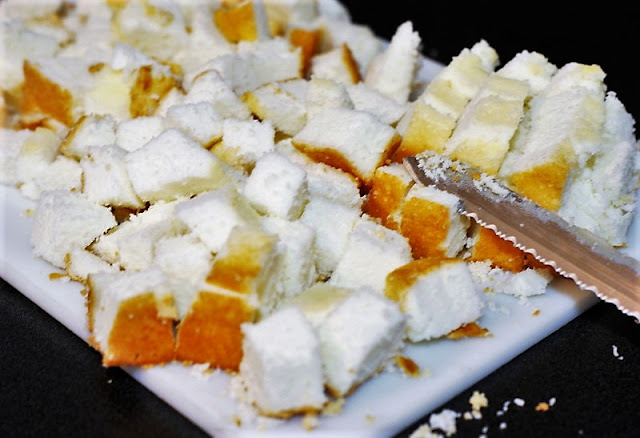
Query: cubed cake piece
{"points": [[36, 153], [326, 93], [212, 215], [209, 86], [199, 120], [433, 116], [389, 188], [436, 294], [90, 130], [242, 21], [393, 71], [317, 301], [82, 263], [351, 140], [296, 245], [281, 366], [131, 317], [337, 64], [156, 28], [364, 44], [485, 245], [61, 174], [173, 165], [54, 88], [369, 99], [332, 223], [105, 177], [12, 141], [277, 187], [237, 286], [132, 134], [372, 251], [358, 338], [65, 221], [244, 142], [270, 102], [130, 244], [482, 136], [564, 130], [186, 261], [430, 221]]}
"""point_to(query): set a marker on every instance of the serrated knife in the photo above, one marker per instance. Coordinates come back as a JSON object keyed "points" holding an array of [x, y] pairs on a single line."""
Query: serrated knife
{"points": [[573, 252]]}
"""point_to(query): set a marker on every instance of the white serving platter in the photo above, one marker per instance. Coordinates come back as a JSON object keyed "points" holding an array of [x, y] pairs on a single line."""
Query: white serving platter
{"points": [[382, 406]]}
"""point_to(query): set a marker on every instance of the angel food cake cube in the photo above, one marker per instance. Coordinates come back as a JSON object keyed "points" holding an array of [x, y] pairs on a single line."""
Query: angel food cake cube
{"points": [[371, 252], [213, 215], [351, 140], [277, 187], [172, 165], [431, 223], [131, 317], [434, 114], [65, 221], [357, 339], [234, 292], [389, 188], [281, 365], [437, 295]]}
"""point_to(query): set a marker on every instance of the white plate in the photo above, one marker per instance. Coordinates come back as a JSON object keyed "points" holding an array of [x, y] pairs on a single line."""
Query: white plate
{"points": [[381, 407]]}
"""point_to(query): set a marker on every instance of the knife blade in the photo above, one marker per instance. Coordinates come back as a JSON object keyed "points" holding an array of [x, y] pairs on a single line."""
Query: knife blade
{"points": [[571, 251]]}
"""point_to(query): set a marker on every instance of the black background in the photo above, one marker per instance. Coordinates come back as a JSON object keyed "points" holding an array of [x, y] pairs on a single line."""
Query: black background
{"points": [[51, 384]]}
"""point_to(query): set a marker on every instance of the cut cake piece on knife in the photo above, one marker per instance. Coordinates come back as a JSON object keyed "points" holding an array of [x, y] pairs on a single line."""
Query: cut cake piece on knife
{"points": [[573, 252]]}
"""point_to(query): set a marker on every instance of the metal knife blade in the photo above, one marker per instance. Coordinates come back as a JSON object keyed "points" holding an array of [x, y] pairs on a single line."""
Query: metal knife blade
{"points": [[573, 252]]}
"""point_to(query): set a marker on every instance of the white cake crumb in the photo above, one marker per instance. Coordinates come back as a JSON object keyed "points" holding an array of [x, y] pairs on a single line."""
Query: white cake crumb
{"points": [[503, 426], [518, 402], [616, 353], [445, 421]]}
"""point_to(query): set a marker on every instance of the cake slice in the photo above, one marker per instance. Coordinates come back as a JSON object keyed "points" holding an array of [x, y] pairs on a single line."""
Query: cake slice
{"points": [[482, 136], [436, 294], [564, 130], [131, 317], [433, 116]]}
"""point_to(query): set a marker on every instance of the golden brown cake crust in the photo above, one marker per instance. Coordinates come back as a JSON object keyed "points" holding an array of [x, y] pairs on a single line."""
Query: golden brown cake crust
{"points": [[211, 333], [41, 96], [139, 335]]}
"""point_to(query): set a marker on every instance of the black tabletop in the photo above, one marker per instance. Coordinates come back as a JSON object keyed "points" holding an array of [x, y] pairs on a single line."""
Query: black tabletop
{"points": [[52, 384]]}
